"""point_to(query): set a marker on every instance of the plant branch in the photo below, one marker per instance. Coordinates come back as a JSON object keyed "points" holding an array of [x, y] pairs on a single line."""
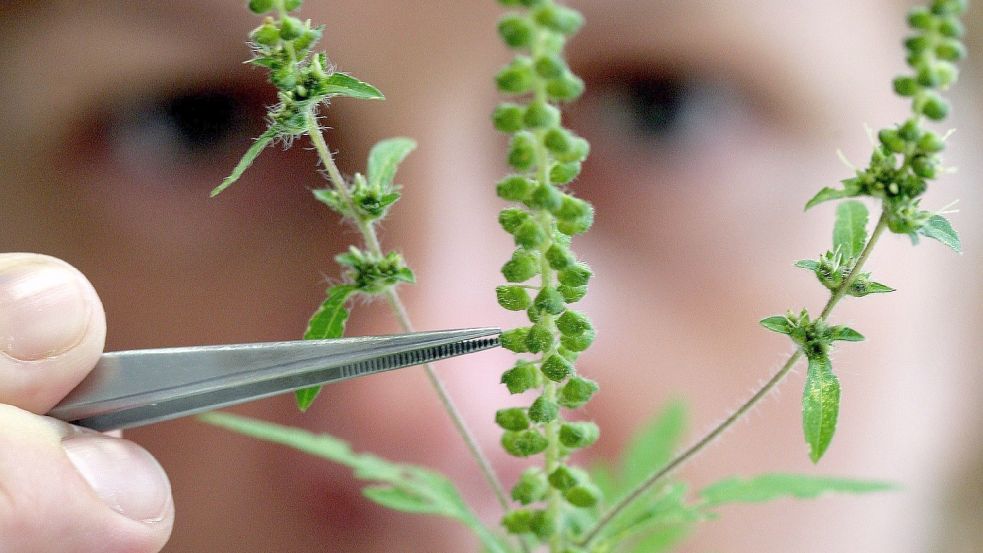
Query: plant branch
{"points": [[399, 310], [696, 448]]}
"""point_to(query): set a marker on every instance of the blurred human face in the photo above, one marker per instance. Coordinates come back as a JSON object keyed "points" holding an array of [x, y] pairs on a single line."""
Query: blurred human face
{"points": [[711, 124]]}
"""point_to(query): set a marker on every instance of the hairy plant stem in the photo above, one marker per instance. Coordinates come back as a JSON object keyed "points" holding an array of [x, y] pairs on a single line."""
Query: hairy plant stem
{"points": [[701, 444], [399, 310]]}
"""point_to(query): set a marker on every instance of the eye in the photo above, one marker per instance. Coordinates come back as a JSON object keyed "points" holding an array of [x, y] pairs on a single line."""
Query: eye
{"points": [[181, 126], [648, 106]]}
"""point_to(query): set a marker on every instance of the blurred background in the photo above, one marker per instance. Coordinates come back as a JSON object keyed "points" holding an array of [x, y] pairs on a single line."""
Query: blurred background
{"points": [[711, 124]]}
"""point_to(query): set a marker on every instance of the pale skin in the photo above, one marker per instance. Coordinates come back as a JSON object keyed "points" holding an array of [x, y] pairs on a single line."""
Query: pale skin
{"points": [[698, 225]]}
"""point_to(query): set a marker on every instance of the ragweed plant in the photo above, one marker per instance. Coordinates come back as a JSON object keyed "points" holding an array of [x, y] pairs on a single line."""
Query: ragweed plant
{"points": [[631, 506]]}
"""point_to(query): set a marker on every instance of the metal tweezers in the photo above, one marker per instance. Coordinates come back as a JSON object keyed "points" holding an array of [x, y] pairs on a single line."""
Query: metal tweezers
{"points": [[134, 388]]}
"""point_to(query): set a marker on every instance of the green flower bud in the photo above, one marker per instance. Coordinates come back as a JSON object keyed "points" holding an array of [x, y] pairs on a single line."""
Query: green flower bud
{"points": [[291, 28], [890, 139], [523, 376], [952, 27], [910, 131], [550, 66], [576, 435], [516, 31], [260, 7], [576, 275], [552, 43], [572, 323], [531, 487], [920, 18], [570, 356], [578, 151], [556, 368], [513, 418], [950, 50], [514, 188], [559, 257], [514, 340], [579, 342], [917, 44], [531, 3], [559, 18], [564, 173], [576, 392], [518, 521], [906, 86], [530, 235], [523, 266], [543, 410], [549, 300], [516, 77], [574, 216], [558, 140], [511, 218], [934, 107], [545, 196], [266, 34], [522, 151], [565, 88], [534, 314], [513, 298], [928, 76], [291, 5], [540, 115], [563, 478], [543, 525], [949, 7], [540, 338], [924, 166], [508, 117], [931, 143], [583, 495], [524, 443], [947, 73], [572, 294]]}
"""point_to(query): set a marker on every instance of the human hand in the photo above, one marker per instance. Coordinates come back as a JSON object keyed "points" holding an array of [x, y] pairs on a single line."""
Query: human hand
{"points": [[65, 489]]}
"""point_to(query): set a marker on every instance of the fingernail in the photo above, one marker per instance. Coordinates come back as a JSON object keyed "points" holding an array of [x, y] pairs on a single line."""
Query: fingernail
{"points": [[44, 307], [123, 475]]}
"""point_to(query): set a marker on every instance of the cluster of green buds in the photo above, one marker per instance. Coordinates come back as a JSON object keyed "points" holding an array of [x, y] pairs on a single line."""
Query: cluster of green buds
{"points": [[833, 269], [546, 158], [814, 336], [908, 156]]}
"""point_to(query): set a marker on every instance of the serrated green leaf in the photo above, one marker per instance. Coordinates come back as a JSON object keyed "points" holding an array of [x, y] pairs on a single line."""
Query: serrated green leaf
{"points": [[342, 84], [878, 288], [825, 195], [247, 159], [385, 158], [846, 334], [663, 511], [327, 322], [768, 487], [939, 228], [850, 229], [820, 406], [407, 488], [809, 264], [777, 324]]}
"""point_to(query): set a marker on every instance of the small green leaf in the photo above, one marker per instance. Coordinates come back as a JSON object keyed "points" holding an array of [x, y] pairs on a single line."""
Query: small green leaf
{"points": [[846, 334], [768, 487], [820, 406], [385, 158], [939, 228], [247, 159], [825, 195], [327, 322], [341, 84], [878, 288], [777, 324], [850, 229], [401, 487], [810, 264]]}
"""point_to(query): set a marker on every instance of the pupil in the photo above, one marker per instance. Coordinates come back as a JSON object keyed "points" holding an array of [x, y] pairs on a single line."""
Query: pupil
{"points": [[203, 120], [657, 104]]}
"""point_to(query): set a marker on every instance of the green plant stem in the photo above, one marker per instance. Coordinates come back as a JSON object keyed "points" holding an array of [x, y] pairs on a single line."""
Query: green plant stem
{"points": [[700, 445], [399, 310]]}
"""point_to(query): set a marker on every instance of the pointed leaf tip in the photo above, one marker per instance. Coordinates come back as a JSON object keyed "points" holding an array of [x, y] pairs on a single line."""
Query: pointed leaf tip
{"points": [[939, 228], [820, 406], [850, 229], [777, 324], [342, 84]]}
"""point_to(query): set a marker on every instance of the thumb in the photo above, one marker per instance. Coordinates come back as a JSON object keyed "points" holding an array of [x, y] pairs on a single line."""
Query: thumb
{"points": [[68, 490]]}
